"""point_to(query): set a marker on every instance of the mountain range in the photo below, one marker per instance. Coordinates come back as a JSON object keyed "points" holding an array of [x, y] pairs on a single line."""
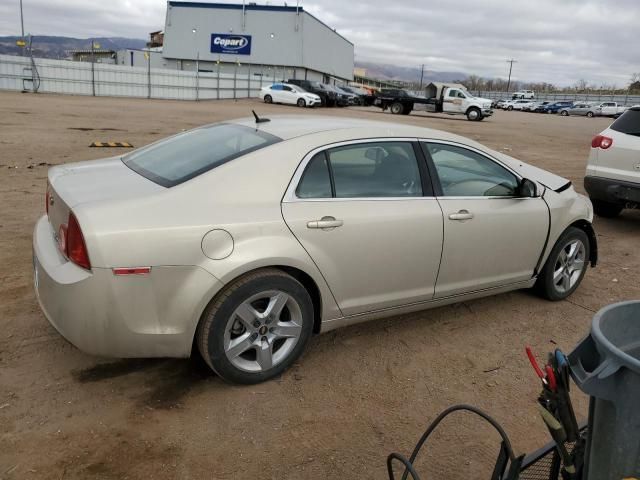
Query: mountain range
{"points": [[58, 47]]}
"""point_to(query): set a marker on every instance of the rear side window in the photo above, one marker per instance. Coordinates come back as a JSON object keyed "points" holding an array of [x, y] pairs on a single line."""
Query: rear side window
{"points": [[184, 156], [628, 122], [316, 180]]}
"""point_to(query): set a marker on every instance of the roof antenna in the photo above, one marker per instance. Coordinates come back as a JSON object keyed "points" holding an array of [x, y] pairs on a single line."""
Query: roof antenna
{"points": [[258, 119]]}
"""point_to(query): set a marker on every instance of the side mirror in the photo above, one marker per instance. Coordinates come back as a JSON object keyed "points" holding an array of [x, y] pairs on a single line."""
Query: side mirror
{"points": [[528, 189]]}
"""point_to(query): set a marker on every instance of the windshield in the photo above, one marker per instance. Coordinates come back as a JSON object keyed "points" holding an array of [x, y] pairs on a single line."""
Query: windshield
{"points": [[297, 88], [184, 156], [628, 122]]}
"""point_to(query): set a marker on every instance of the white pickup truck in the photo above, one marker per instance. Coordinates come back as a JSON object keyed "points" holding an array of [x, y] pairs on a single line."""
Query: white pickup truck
{"points": [[611, 109]]}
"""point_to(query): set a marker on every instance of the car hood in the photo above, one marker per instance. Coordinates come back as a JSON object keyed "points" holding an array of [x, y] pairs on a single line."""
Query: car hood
{"points": [[98, 180], [548, 179]]}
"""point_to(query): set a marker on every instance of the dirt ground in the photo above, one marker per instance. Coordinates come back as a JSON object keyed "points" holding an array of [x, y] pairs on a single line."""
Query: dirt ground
{"points": [[355, 396]]}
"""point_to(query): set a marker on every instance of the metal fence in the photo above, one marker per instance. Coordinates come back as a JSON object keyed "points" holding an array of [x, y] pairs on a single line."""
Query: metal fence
{"points": [[623, 99], [99, 79]]}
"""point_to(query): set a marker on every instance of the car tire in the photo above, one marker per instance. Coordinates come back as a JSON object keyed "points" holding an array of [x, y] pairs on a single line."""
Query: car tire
{"points": [[589, 114], [268, 99], [510, 107], [564, 113], [565, 268], [301, 102], [474, 114], [241, 341], [606, 209], [397, 108]]}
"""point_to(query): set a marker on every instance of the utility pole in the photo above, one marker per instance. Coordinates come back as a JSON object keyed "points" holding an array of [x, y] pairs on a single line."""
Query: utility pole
{"points": [[510, 62], [421, 76], [22, 28]]}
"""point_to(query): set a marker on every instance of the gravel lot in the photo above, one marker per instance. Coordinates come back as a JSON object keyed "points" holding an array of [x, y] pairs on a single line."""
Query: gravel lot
{"points": [[355, 396]]}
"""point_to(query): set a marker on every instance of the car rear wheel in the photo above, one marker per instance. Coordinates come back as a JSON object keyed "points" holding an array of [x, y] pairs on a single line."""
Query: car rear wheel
{"points": [[510, 107], [589, 114], [566, 266], [564, 113], [256, 327], [268, 99], [397, 108], [606, 209], [301, 102]]}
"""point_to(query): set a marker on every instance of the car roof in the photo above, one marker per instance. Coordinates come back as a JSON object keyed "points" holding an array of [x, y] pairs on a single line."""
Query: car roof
{"points": [[293, 126]]}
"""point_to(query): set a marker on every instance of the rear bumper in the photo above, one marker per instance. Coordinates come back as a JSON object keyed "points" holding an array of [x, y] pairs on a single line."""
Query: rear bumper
{"points": [[151, 315], [612, 191]]}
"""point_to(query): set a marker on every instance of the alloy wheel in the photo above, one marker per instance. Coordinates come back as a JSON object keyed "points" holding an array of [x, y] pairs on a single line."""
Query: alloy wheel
{"points": [[569, 265], [263, 331]]}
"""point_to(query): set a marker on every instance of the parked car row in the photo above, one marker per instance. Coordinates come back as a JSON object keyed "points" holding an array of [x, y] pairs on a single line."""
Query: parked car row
{"points": [[307, 93], [564, 108]]}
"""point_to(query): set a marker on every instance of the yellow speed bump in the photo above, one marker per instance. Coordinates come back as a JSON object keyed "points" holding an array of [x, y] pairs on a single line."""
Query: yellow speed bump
{"points": [[112, 144]]}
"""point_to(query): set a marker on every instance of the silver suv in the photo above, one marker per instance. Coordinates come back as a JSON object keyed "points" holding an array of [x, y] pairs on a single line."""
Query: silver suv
{"points": [[613, 170]]}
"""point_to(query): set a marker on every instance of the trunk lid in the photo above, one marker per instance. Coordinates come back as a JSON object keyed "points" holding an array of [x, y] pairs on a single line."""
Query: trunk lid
{"points": [[92, 181]]}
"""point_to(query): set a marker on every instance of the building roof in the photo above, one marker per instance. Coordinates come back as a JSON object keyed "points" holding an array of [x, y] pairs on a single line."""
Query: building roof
{"points": [[254, 7]]}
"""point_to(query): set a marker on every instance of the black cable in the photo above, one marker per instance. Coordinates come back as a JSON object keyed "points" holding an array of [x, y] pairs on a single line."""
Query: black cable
{"points": [[470, 408], [405, 462]]}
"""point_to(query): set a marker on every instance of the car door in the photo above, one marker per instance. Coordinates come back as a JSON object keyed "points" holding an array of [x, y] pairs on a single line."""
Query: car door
{"points": [[289, 95], [453, 101], [276, 93], [366, 214], [492, 237]]}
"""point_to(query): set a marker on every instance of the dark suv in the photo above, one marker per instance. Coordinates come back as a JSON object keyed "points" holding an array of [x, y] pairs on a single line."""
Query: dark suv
{"points": [[327, 95]]}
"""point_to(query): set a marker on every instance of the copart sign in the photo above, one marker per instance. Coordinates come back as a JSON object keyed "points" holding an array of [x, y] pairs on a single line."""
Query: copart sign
{"points": [[232, 44]]}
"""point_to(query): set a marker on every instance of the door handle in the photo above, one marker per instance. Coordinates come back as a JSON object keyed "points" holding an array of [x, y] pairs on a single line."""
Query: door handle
{"points": [[461, 215], [325, 222]]}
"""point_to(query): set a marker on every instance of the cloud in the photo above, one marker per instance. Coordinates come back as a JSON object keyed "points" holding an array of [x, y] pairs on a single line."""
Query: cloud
{"points": [[554, 41]]}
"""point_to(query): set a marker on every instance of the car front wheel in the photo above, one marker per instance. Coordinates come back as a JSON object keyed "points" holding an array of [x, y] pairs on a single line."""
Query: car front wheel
{"points": [[301, 102], [566, 266], [256, 327], [268, 99]]}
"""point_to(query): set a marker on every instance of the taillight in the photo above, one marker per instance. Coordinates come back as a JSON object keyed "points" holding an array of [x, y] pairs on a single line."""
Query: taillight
{"points": [[75, 248], [600, 141]]}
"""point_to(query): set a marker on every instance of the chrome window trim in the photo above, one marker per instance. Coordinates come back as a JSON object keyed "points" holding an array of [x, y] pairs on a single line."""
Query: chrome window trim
{"points": [[290, 194]]}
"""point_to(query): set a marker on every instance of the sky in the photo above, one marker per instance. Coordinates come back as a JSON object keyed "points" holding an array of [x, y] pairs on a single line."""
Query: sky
{"points": [[557, 41]]}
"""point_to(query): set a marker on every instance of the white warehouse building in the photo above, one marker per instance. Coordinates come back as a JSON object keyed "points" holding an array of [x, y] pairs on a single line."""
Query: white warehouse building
{"points": [[272, 41]]}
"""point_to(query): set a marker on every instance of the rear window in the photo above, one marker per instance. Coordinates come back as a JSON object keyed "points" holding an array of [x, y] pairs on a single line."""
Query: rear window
{"points": [[184, 156], [628, 122]]}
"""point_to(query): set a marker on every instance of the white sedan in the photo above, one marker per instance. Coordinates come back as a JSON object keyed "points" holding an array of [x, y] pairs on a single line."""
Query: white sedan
{"points": [[246, 237], [289, 94]]}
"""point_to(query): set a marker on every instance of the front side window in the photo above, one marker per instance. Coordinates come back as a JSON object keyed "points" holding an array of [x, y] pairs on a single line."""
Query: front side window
{"points": [[287, 88], [464, 173], [364, 170], [189, 154]]}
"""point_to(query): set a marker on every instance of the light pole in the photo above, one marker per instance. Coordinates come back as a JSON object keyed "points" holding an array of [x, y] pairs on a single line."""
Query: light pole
{"points": [[421, 76], [510, 62], [195, 40], [24, 44]]}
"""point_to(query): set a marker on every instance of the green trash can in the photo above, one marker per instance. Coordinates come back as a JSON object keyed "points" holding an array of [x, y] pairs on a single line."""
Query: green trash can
{"points": [[606, 366]]}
